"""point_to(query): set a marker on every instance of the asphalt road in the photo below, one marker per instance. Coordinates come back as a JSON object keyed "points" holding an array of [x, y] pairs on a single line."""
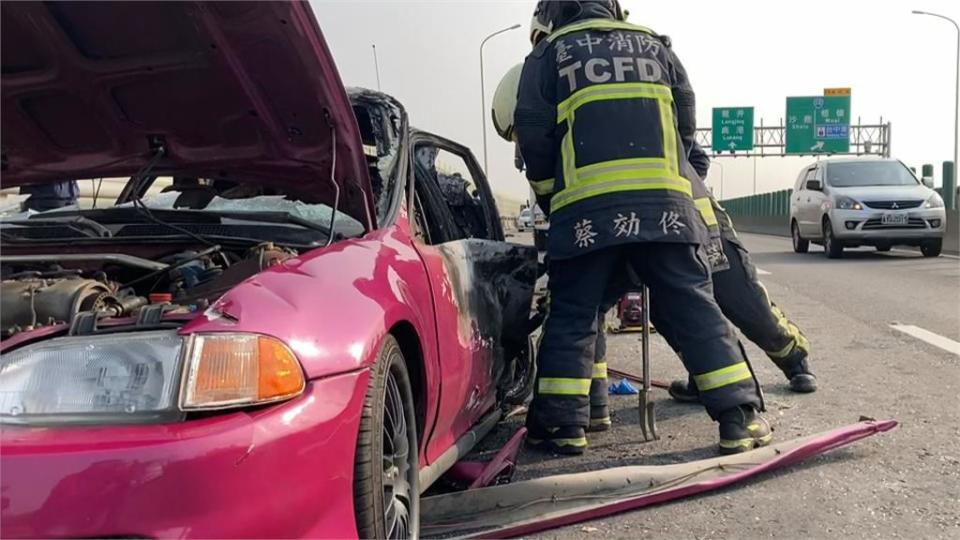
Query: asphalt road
{"points": [[903, 484]]}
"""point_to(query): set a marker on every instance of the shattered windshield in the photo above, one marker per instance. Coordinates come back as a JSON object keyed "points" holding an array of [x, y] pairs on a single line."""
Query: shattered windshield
{"points": [[180, 193]]}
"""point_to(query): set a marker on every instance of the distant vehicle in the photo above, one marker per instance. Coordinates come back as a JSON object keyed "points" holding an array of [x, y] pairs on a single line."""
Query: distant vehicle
{"points": [[878, 202], [525, 220]]}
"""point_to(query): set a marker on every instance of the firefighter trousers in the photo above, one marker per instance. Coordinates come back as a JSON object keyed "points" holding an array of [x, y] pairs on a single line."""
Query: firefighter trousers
{"points": [[745, 303], [676, 273]]}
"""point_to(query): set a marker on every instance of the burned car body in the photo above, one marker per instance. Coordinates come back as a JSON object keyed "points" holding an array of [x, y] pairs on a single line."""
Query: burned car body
{"points": [[217, 359]]}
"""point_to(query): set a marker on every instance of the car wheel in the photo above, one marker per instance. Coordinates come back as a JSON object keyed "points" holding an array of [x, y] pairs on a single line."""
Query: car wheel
{"points": [[832, 246], [799, 244], [883, 248], [932, 248], [386, 489]]}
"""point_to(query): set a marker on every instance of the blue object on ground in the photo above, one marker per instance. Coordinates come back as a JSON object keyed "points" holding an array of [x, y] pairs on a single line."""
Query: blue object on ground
{"points": [[623, 388]]}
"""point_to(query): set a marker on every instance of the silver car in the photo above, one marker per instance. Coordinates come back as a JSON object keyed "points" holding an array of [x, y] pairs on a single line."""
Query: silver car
{"points": [[865, 202], [525, 220]]}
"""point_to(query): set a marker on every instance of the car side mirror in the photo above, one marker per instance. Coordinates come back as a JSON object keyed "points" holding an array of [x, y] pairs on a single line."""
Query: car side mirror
{"points": [[927, 181], [814, 185]]}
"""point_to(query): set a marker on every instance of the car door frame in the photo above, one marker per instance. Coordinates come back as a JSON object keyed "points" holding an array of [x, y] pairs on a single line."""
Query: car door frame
{"points": [[806, 214], [467, 392], [816, 202]]}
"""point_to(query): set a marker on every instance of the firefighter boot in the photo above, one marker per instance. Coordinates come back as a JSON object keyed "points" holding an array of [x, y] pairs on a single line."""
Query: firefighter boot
{"points": [[684, 391], [797, 370], [599, 419], [742, 429], [569, 440]]}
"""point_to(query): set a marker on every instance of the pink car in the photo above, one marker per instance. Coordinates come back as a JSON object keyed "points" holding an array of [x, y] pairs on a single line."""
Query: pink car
{"points": [[294, 337]]}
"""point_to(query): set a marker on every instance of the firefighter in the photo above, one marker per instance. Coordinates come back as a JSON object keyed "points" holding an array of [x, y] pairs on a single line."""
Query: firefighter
{"points": [[45, 197], [745, 302], [601, 119]]}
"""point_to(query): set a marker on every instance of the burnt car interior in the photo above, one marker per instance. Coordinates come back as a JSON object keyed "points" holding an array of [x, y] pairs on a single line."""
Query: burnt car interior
{"points": [[451, 201]]}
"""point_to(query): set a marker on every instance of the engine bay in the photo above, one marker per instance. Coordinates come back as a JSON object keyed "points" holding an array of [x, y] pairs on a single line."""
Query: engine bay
{"points": [[84, 289]]}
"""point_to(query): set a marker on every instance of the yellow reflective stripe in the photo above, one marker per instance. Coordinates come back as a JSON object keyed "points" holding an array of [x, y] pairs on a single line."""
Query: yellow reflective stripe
{"points": [[603, 165], [569, 157], [797, 339], [618, 182], [723, 377], [564, 387], [542, 187], [593, 170], [577, 441], [784, 352], [600, 370], [706, 210], [601, 24], [626, 90], [605, 421], [667, 125]]}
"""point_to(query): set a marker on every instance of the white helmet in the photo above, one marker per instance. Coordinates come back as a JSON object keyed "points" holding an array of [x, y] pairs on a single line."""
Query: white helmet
{"points": [[505, 102]]}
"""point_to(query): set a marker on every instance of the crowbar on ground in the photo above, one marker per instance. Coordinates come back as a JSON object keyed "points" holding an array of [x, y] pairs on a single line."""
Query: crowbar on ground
{"points": [[555, 501]]}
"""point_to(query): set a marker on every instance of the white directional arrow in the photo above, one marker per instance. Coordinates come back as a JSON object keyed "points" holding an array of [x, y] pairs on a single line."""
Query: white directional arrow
{"points": [[818, 146], [732, 145]]}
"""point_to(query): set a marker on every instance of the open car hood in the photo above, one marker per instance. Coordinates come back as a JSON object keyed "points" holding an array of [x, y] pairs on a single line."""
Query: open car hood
{"points": [[237, 90]]}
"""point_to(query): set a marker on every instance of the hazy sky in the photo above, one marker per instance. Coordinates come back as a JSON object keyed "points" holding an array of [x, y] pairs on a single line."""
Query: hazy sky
{"points": [[738, 53]]}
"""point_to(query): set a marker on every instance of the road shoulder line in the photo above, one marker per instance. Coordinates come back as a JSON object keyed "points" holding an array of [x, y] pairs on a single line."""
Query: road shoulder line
{"points": [[936, 340]]}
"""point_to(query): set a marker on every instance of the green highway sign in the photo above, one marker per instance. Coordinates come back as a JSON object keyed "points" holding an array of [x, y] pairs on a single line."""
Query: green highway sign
{"points": [[818, 124], [732, 129]]}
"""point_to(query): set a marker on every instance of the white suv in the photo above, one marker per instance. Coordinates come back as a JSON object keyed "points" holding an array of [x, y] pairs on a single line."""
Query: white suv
{"points": [[874, 202]]}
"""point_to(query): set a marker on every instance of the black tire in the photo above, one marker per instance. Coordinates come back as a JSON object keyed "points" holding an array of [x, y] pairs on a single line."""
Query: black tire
{"points": [[800, 245], [386, 489], [932, 248], [884, 248], [832, 246]]}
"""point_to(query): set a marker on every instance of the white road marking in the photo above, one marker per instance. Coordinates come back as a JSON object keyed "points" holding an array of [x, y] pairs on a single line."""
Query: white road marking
{"points": [[936, 340], [944, 255], [762, 272]]}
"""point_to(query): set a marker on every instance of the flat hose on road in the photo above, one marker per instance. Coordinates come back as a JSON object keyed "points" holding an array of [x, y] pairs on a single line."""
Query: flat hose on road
{"points": [[556, 501]]}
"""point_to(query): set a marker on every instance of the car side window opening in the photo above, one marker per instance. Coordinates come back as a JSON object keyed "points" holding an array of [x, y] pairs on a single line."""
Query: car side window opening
{"points": [[433, 220], [811, 175], [801, 181], [458, 188]]}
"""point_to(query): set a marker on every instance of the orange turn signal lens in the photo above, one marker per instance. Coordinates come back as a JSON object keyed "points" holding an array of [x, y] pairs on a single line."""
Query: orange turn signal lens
{"points": [[228, 370]]}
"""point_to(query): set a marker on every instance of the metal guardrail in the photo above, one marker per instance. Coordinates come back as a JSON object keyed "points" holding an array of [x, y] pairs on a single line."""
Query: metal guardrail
{"points": [[774, 204], [770, 141]]}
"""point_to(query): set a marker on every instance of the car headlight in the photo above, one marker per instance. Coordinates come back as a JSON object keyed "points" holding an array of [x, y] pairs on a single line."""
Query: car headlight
{"points": [[846, 203], [114, 378], [935, 201], [143, 377]]}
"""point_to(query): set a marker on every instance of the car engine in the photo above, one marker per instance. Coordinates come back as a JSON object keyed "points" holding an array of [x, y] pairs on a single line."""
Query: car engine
{"points": [[39, 290]]}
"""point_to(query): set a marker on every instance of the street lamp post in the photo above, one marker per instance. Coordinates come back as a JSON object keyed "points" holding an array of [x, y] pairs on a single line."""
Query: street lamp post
{"points": [[717, 162], [483, 99], [956, 95], [376, 65]]}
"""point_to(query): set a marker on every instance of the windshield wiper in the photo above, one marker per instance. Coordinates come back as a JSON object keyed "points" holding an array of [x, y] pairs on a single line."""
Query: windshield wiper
{"points": [[85, 226]]}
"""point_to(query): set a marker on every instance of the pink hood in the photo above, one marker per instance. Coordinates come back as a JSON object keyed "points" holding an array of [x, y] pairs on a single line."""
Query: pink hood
{"points": [[239, 90]]}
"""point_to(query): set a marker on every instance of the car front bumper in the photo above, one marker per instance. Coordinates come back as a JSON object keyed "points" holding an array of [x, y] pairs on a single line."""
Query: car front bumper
{"points": [[855, 227], [281, 471]]}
